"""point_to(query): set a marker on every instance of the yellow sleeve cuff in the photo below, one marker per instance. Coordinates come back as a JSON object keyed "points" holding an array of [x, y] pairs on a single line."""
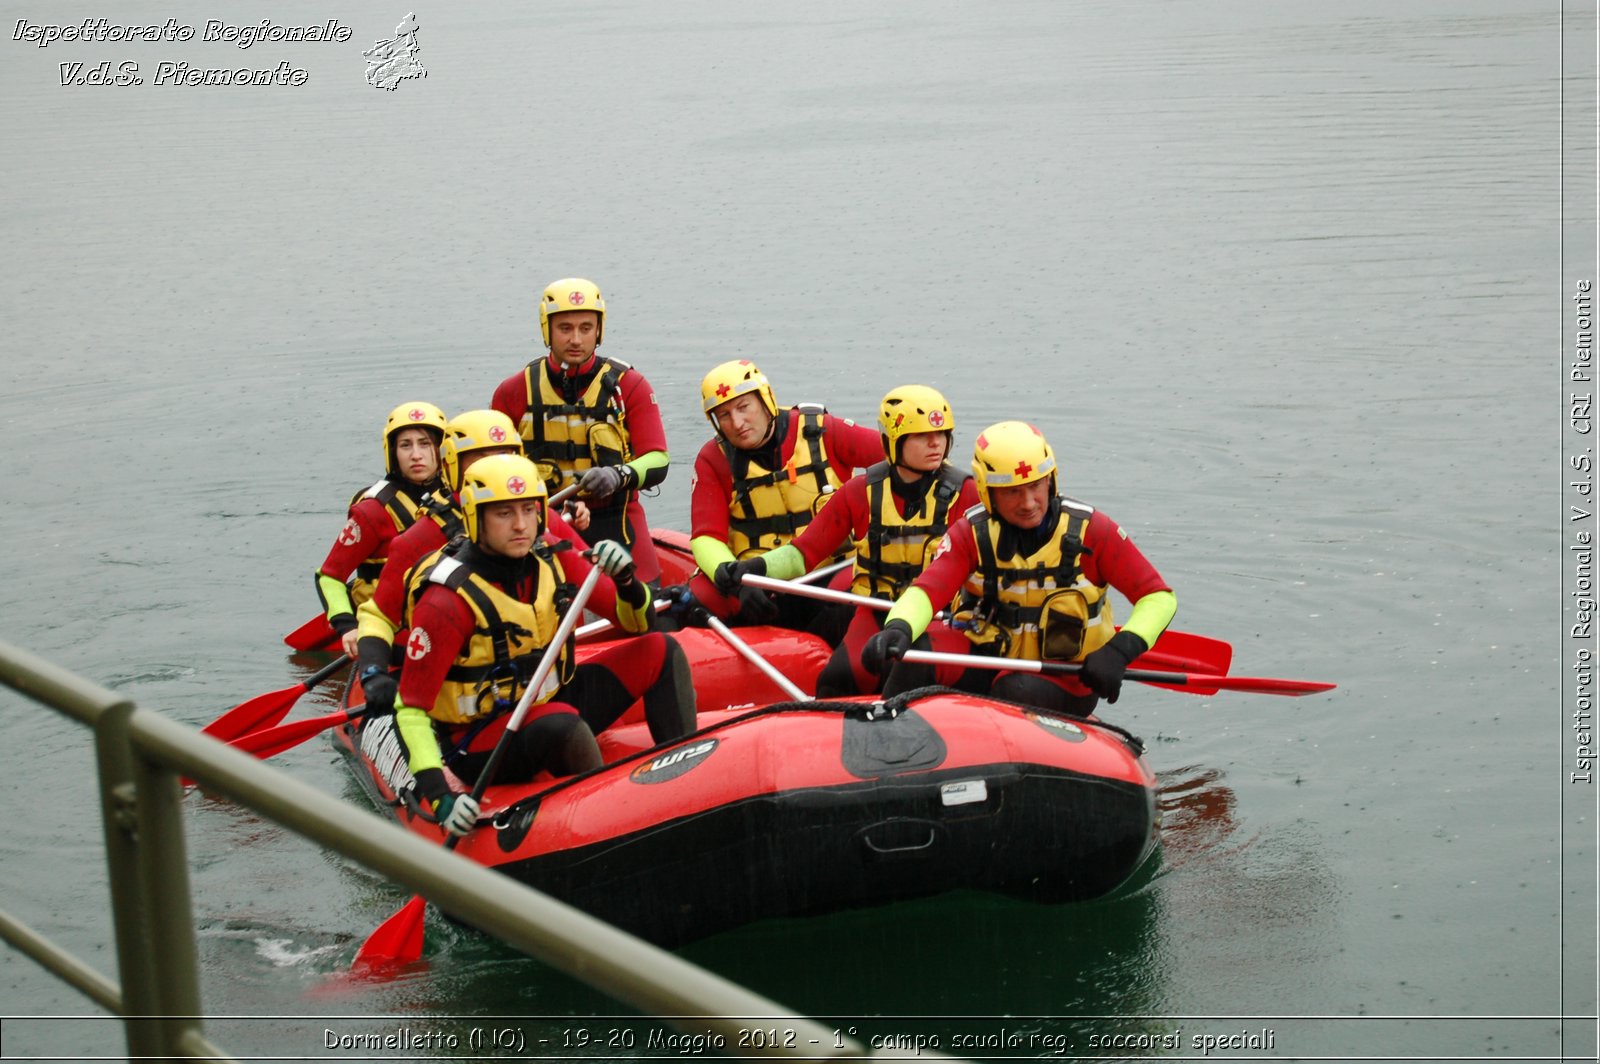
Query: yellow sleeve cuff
{"points": [[373, 622], [1151, 615], [710, 552], [914, 608], [416, 731]]}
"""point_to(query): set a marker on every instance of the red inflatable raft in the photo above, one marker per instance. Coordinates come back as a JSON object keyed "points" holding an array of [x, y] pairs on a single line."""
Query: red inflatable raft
{"points": [[792, 809], [782, 808]]}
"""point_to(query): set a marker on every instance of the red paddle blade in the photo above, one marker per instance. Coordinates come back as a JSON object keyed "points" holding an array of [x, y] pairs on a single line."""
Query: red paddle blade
{"points": [[271, 741], [398, 940], [315, 634], [262, 711], [1198, 652]]}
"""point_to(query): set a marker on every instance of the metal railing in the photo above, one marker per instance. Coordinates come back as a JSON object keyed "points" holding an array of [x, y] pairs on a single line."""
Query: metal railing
{"points": [[142, 755]]}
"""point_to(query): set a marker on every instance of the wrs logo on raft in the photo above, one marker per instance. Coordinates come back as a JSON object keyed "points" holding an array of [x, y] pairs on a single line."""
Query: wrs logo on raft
{"points": [[673, 763]]}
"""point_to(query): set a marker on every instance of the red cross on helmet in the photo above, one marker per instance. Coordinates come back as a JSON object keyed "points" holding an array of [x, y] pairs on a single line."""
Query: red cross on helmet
{"points": [[1008, 455]]}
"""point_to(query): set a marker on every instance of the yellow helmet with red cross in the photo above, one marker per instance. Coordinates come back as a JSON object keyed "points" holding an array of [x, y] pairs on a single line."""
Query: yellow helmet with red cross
{"points": [[475, 430], [1008, 455], [410, 416], [498, 478], [571, 293], [908, 409], [731, 380]]}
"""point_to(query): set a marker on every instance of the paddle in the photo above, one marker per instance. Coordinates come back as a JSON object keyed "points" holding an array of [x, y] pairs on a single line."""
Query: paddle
{"points": [[315, 634], [749, 653], [603, 625], [398, 940], [1195, 683], [263, 711], [1174, 650], [270, 741]]}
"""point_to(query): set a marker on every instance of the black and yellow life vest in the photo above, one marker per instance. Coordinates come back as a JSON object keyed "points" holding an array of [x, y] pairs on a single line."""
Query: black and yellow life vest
{"points": [[509, 636], [769, 507], [896, 548], [1039, 607], [402, 509], [565, 438]]}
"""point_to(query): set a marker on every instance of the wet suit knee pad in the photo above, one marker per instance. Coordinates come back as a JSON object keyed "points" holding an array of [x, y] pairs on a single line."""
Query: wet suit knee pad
{"points": [[561, 743]]}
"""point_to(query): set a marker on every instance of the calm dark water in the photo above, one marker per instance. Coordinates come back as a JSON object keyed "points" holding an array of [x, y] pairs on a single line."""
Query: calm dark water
{"points": [[1280, 282]]}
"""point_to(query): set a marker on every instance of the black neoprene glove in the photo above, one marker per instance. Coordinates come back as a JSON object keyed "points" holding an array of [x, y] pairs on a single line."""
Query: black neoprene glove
{"points": [[379, 686], [1103, 670], [730, 575], [887, 647], [756, 606]]}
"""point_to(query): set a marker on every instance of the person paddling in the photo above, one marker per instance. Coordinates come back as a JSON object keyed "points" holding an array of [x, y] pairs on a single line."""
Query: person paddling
{"points": [[411, 437], [757, 483], [896, 513], [590, 420], [469, 437], [482, 612], [1032, 568]]}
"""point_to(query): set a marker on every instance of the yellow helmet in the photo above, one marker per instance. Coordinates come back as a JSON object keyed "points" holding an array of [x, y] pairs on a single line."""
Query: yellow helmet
{"points": [[410, 416], [912, 408], [731, 380], [1009, 455], [498, 478], [476, 430], [571, 293]]}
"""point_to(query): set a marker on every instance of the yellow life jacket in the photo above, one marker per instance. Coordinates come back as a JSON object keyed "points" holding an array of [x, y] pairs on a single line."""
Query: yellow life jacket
{"points": [[509, 636], [1040, 607], [896, 549], [768, 507], [402, 510], [563, 439]]}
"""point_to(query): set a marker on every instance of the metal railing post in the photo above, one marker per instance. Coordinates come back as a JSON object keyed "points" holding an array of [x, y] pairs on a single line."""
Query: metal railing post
{"points": [[149, 891], [119, 809], [169, 917]]}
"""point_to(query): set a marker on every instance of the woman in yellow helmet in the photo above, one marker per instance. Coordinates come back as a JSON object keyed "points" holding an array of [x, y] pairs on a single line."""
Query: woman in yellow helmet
{"points": [[411, 438], [894, 514], [1032, 569], [758, 482]]}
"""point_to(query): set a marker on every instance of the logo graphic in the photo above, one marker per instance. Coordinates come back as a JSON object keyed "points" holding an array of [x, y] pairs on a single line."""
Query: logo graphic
{"points": [[350, 535], [935, 418], [415, 415], [516, 485], [575, 298], [1023, 469], [418, 645], [674, 763], [497, 434], [392, 61]]}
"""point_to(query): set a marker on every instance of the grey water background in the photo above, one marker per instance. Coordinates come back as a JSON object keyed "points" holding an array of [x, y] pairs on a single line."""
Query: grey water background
{"points": [[1281, 283]]}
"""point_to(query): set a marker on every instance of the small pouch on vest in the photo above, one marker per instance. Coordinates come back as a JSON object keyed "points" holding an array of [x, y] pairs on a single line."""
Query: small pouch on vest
{"points": [[1063, 620], [605, 445], [551, 472]]}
